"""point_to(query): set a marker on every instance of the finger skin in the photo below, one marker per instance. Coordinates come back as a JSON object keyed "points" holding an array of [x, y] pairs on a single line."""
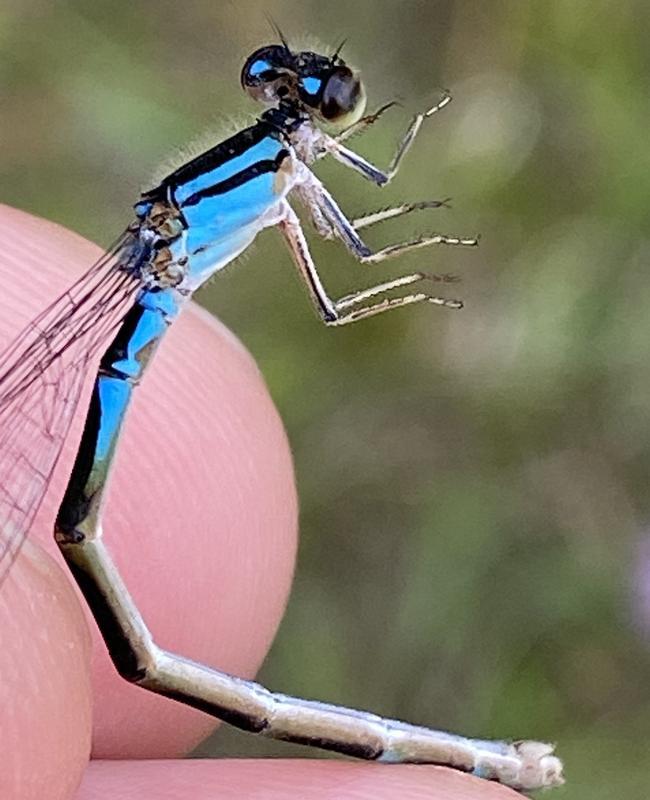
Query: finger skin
{"points": [[45, 686], [280, 779]]}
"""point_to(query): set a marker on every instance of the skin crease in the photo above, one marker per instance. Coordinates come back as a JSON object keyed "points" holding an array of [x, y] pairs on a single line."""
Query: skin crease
{"points": [[202, 521]]}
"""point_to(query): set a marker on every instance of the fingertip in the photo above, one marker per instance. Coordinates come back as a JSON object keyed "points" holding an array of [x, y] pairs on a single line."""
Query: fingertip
{"points": [[45, 692]]}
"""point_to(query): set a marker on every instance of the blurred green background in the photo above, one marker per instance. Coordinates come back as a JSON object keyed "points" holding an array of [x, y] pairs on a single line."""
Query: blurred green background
{"points": [[475, 550]]}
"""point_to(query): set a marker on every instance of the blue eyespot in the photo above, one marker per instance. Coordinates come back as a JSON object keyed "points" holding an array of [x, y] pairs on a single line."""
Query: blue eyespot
{"points": [[258, 67], [312, 85]]}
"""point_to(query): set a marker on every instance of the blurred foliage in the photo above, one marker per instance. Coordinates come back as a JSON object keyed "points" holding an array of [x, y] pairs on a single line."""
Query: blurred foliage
{"points": [[473, 485]]}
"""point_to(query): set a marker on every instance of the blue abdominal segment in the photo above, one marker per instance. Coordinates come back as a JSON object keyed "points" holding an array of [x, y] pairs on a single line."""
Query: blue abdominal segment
{"points": [[120, 370]]}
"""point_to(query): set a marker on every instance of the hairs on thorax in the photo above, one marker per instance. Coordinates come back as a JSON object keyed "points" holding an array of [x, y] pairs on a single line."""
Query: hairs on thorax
{"points": [[227, 126]]}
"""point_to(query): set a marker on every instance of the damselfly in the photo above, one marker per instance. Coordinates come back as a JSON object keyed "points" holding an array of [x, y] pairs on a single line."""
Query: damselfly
{"points": [[187, 228]]}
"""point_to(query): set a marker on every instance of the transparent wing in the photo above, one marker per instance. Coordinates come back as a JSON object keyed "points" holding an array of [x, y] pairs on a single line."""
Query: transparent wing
{"points": [[41, 376]]}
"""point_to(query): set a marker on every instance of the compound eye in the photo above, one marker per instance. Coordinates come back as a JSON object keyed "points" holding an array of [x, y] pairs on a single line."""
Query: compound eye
{"points": [[344, 99]]}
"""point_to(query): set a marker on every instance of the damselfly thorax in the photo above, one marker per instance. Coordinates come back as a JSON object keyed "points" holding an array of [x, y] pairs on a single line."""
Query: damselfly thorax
{"points": [[205, 213]]}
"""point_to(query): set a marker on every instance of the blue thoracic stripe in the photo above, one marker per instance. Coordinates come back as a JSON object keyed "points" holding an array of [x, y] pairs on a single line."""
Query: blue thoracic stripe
{"points": [[267, 151], [221, 153], [237, 180]]}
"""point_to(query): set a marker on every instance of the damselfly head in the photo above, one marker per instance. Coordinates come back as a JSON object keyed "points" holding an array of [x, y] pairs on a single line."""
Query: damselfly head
{"points": [[321, 86]]}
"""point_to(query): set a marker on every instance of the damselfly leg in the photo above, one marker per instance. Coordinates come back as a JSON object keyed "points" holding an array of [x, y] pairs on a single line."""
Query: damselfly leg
{"points": [[343, 311], [317, 198], [327, 231], [365, 122], [333, 146], [327, 216], [384, 214]]}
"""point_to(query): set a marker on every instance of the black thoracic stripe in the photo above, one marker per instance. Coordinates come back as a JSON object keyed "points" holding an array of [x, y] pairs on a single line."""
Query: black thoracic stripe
{"points": [[238, 179], [220, 154]]}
